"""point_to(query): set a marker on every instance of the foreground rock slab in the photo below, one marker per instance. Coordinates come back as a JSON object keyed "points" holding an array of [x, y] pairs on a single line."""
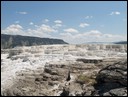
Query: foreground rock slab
{"points": [[112, 80]]}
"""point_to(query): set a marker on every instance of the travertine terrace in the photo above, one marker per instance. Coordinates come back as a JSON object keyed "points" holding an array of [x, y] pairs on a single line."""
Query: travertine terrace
{"points": [[22, 62]]}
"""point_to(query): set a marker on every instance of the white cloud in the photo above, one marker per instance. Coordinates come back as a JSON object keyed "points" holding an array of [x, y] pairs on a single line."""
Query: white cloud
{"points": [[46, 28], [22, 12], [94, 32], [36, 26], [70, 35], [13, 29], [115, 13], [108, 35], [66, 34], [88, 17], [39, 31], [71, 30], [91, 36], [17, 22], [58, 21], [83, 25], [57, 26], [46, 20], [31, 23]]}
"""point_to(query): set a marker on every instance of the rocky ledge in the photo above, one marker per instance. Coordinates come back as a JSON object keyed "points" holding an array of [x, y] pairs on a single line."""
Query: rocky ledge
{"points": [[112, 80], [72, 78]]}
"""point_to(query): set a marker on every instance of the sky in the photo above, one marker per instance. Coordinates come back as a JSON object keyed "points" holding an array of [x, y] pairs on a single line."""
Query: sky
{"points": [[75, 22]]}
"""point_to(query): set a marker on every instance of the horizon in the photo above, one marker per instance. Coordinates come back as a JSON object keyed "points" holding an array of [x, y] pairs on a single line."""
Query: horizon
{"points": [[74, 22], [72, 43]]}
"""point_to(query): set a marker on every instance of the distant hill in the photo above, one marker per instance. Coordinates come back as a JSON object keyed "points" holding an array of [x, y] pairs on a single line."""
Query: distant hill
{"points": [[121, 42], [98, 43], [10, 41]]}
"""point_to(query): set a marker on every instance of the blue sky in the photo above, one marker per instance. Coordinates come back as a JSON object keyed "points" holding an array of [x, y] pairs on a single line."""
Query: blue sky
{"points": [[73, 21]]}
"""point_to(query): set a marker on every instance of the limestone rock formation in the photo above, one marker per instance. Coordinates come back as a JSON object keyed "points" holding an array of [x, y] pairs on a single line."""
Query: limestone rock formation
{"points": [[67, 70], [112, 80]]}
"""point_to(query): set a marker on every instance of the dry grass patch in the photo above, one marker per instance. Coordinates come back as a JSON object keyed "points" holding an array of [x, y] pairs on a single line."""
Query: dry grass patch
{"points": [[84, 79]]}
